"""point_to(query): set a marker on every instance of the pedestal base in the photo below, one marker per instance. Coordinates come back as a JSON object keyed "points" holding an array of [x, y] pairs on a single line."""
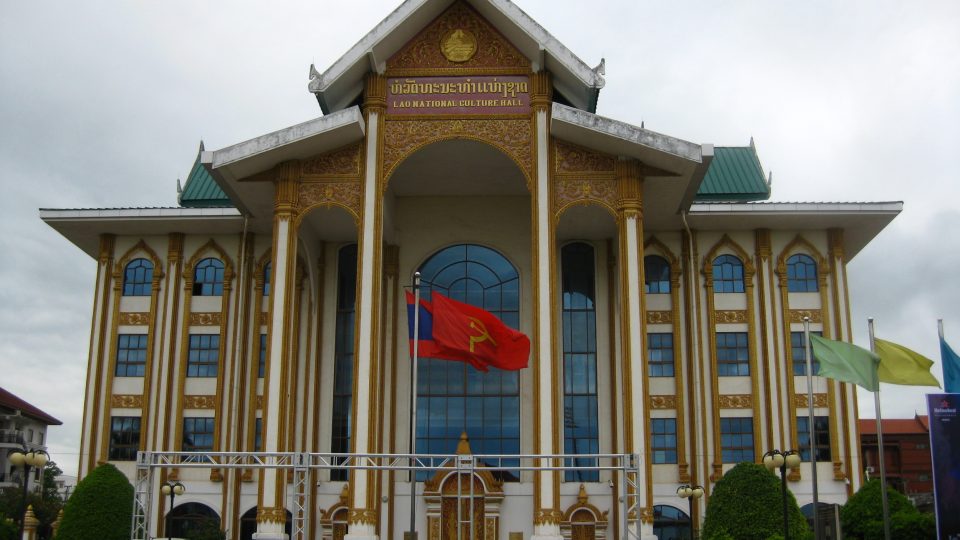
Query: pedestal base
{"points": [[361, 532], [547, 532]]}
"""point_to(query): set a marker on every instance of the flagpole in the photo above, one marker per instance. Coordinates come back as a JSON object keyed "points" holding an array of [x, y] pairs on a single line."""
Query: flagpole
{"points": [[413, 406], [940, 328], [812, 432], [883, 470]]}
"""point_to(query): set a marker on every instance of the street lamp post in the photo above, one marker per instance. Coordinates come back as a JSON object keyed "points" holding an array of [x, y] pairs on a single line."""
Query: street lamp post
{"points": [[27, 459], [172, 489], [775, 459], [690, 493]]}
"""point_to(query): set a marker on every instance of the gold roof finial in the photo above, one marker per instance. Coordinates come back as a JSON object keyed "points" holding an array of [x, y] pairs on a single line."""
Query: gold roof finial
{"points": [[463, 447], [582, 496]]}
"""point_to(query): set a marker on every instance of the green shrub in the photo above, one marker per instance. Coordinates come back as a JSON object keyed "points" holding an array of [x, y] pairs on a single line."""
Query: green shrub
{"points": [[101, 507], [747, 504], [862, 516], [8, 529]]}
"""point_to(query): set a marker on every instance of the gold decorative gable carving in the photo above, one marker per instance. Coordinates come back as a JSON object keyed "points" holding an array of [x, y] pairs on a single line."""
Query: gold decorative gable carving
{"points": [[199, 402], [569, 158], [659, 317], [736, 401], [205, 319], [459, 40], [401, 138], [731, 316], [338, 163], [129, 318], [819, 400], [569, 192], [797, 315], [347, 195], [663, 402], [126, 401]]}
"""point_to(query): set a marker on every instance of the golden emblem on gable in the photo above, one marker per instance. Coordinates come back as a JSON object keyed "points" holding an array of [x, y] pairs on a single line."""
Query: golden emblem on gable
{"points": [[458, 45]]}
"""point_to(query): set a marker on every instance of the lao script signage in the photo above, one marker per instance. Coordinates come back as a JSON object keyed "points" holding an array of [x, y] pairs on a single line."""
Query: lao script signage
{"points": [[459, 95]]}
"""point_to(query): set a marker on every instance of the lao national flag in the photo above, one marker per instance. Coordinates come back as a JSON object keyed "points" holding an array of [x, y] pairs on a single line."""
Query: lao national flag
{"points": [[464, 332], [427, 347]]}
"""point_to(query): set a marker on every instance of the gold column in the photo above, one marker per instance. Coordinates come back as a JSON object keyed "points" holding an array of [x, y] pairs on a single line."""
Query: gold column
{"points": [[96, 362]]}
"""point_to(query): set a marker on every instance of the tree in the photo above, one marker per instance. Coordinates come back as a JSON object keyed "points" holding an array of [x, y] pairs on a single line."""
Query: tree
{"points": [[747, 504], [46, 501], [862, 516], [101, 507]]}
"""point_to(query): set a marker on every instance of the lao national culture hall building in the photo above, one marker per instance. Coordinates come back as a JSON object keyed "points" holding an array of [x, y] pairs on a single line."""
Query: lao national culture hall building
{"points": [[262, 323]]}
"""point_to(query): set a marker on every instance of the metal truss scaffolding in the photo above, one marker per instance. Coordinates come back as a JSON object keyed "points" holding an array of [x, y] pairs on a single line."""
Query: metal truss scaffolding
{"points": [[623, 468]]}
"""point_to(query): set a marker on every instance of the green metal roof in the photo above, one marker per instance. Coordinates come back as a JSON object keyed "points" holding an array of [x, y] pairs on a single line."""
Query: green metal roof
{"points": [[201, 190], [735, 174]]}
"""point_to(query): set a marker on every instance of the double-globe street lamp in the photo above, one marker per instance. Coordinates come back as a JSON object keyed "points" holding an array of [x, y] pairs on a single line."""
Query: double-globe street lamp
{"points": [[28, 459], [690, 493], [172, 489], [775, 459]]}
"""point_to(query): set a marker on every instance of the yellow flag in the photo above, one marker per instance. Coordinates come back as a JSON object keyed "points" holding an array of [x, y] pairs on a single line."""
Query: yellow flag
{"points": [[900, 365]]}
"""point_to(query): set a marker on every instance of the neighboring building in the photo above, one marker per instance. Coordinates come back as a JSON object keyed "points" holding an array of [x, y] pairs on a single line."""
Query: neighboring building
{"points": [[23, 427], [65, 485], [663, 297], [906, 456]]}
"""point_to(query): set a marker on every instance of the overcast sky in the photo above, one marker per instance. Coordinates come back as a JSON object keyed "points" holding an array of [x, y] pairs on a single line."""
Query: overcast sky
{"points": [[102, 104]]}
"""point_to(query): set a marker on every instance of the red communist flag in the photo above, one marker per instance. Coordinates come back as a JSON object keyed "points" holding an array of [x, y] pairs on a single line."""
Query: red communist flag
{"points": [[465, 331]]}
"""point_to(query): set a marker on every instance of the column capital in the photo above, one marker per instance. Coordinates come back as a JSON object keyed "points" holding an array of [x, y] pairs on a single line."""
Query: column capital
{"points": [[285, 188], [764, 251], [106, 248], [541, 91], [835, 241], [630, 188], [375, 93]]}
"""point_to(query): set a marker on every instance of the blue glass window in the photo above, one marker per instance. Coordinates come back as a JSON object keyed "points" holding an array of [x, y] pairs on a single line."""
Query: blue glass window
{"points": [[663, 441], [198, 434], [736, 440], [258, 435], [799, 354], [660, 354], [453, 397], [124, 438], [208, 278], [822, 423], [580, 417], [138, 278], [656, 271], [266, 278], [131, 355], [727, 274], [343, 354], [733, 354], [670, 523], [262, 360], [802, 274], [203, 357]]}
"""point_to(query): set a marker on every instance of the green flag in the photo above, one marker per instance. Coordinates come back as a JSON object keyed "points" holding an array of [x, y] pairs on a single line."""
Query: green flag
{"points": [[900, 365], [846, 362]]}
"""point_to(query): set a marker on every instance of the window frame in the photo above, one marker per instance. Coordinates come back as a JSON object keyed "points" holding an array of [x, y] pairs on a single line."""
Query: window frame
{"points": [[661, 285], [661, 450], [193, 421], [739, 365], [122, 363], [798, 354], [208, 277], [199, 365], [141, 282], [802, 283], [728, 284], [657, 365], [728, 437], [824, 451], [124, 438]]}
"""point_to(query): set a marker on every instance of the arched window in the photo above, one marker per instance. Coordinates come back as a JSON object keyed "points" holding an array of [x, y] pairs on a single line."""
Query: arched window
{"points": [[670, 523], [727, 274], [802, 274], [656, 271], [248, 524], [453, 397], [343, 354], [266, 278], [193, 519], [581, 434], [208, 278], [138, 278]]}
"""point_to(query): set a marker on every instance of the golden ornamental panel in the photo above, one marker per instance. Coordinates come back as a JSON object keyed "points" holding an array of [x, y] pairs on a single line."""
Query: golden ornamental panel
{"points": [[362, 516], [346, 194], [342, 162], [460, 39], [570, 158], [259, 402], [129, 318], [647, 515], [513, 137], [731, 316], [819, 400], [584, 191], [274, 514], [205, 318], [838, 473], [264, 318], [199, 402], [663, 402], [659, 317], [797, 315], [736, 401], [547, 516], [126, 401]]}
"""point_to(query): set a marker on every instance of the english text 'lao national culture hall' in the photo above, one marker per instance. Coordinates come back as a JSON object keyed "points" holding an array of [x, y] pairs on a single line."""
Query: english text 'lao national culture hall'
{"points": [[606, 312]]}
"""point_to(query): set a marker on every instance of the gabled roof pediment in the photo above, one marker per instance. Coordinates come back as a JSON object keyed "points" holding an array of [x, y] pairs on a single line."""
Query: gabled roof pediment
{"points": [[342, 83]]}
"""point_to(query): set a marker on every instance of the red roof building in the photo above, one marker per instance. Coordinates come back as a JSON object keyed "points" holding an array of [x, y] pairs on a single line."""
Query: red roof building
{"points": [[906, 451]]}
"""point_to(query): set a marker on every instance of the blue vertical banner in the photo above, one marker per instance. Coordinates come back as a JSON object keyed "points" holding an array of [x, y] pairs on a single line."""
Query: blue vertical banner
{"points": [[944, 411]]}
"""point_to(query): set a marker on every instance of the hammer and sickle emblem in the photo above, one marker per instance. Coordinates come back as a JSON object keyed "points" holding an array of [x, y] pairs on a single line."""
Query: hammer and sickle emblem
{"points": [[475, 324]]}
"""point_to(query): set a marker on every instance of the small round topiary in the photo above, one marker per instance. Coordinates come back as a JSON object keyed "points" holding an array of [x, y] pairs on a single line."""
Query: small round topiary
{"points": [[101, 507], [746, 504], [862, 516]]}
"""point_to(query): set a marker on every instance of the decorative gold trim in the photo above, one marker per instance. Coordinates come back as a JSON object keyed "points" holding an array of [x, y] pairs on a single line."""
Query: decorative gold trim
{"points": [[342, 162], [736, 401], [131, 318], [126, 401], [797, 315], [345, 194], [764, 273], [275, 514], [731, 316], [205, 319], [547, 516], [263, 318], [362, 516], [199, 402], [663, 402], [819, 400], [660, 317]]}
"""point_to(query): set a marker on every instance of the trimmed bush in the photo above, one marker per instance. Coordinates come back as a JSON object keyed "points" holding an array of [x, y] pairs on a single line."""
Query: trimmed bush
{"points": [[101, 507], [746, 504], [862, 516]]}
